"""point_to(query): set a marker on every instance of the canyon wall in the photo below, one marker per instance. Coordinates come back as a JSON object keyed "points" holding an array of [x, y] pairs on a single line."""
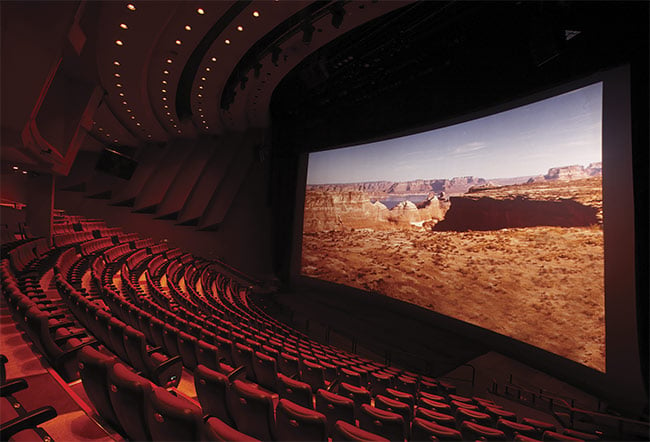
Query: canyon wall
{"points": [[352, 209]]}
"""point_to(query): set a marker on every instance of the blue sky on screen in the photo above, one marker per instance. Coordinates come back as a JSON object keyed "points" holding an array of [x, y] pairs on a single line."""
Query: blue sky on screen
{"points": [[528, 140]]}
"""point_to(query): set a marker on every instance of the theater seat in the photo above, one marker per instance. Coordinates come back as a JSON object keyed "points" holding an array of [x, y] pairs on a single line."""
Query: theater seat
{"points": [[266, 371], [172, 418], [344, 431], [294, 422], [424, 430], [359, 396], [406, 398], [335, 408], [398, 407], [207, 354], [552, 435], [93, 370], [213, 392], [513, 428], [476, 417], [472, 431], [445, 420], [217, 430], [128, 392], [295, 391], [252, 410], [385, 423]]}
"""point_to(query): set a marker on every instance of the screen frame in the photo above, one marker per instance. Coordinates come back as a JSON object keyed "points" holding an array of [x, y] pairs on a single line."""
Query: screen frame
{"points": [[622, 383]]}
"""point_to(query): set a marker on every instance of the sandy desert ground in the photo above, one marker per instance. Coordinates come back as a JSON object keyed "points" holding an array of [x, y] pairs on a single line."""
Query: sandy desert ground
{"points": [[541, 285]]}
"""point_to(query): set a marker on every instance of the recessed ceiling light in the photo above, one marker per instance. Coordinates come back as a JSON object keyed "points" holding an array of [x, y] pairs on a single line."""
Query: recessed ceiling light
{"points": [[178, 42], [15, 168], [202, 78], [121, 94], [188, 28], [164, 98], [166, 72], [164, 91], [200, 11], [171, 119], [200, 87], [24, 172], [166, 107], [206, 127], [133, 117], [123, 26], [214, 59], [200, 110], [130, 7], [138, 124], [199, 95], [119, 42], [256, 13], [164, 82], [203, 121], [129, 110], [124, 102], [117, 75], [169, 61], [207, 69], [226, 41], [240, 28], [179, 131], [116, 63], [149, 136], [118, 85], [115, 140], [168, 113]]}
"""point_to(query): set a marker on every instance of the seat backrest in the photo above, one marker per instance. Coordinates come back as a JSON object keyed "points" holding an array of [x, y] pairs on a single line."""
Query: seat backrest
{"points": [[207, 354], [398, 407], [295, 391], [135, 346], [252, 409], [379, 382], [93, 369], [445, 420], [359, 395], [344, 431], [385, 423], [288, 365], [128, 392], [401, 396], [474, 431], [243, 356], [294, 422], [213, 391], [186, 348], [335, 407], [266, 371], [215, 429], [172, 418], [425, 430]]}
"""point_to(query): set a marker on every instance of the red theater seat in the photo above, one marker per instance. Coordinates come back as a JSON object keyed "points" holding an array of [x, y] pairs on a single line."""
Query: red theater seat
{"points": [[294, 422], [335, 408], [213, 392], [438, 418], [295, 391], [424, 430], [344, 431], [252, 410], [472, 431], [385, 423], [172, 418], [218, 431], [128, 392]]}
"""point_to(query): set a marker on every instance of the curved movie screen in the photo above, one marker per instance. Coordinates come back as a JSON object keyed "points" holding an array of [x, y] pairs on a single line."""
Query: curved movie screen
{"points": [[497, 222]]}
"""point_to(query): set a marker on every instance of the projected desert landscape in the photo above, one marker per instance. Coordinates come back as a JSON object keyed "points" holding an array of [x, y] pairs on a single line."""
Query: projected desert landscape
{"points": [[524, 260]]}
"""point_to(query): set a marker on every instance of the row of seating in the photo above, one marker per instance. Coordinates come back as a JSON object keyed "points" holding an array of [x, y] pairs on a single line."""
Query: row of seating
{"points": [[193, 312]]}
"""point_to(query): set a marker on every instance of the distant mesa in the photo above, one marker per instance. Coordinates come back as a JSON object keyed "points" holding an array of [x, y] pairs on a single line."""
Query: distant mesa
{"points": [[575, 172]]}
